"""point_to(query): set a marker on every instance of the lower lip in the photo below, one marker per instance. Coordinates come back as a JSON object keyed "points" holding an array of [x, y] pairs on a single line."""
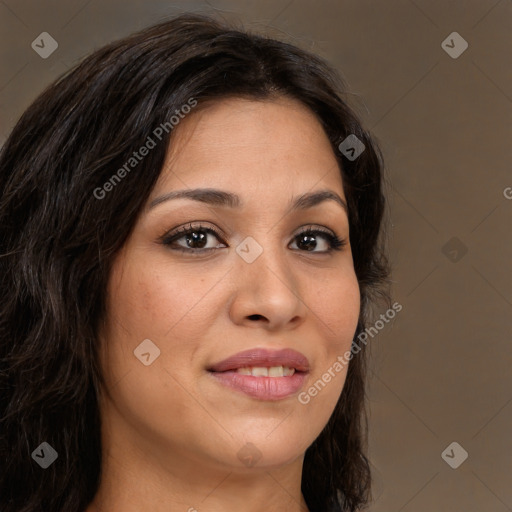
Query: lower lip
{"points": [[262, 388]]}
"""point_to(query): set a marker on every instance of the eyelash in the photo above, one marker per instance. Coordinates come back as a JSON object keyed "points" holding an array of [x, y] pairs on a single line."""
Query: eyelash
{"points": [[168, 238]]}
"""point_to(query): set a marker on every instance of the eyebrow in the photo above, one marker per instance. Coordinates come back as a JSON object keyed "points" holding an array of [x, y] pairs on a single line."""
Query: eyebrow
{"points": [[217, 197]]}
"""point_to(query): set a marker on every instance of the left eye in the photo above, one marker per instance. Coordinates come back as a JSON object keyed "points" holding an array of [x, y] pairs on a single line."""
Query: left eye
{"points": [[310, 237]]}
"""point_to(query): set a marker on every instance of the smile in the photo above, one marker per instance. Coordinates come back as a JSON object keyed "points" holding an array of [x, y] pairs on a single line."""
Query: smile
{"points": [[262, 371], [263, 374]]}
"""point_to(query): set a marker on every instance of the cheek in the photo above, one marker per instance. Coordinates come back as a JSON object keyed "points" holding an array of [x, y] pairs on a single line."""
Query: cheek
{"points": [[149, 302], [170, 307], [336, 305], [155, 305]]}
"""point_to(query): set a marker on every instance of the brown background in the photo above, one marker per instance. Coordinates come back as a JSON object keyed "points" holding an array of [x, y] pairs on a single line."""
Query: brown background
{"points": [[441, 370]]}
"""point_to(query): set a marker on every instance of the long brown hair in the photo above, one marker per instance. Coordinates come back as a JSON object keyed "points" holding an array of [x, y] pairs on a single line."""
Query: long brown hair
{"points": [[58, 241]]}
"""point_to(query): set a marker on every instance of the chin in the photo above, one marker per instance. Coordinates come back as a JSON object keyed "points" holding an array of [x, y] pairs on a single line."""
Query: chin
{"points": [[267, 449]]}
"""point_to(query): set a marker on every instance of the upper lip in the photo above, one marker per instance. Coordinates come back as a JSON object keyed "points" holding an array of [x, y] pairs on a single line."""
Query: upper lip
{"points": [[263, 357]]}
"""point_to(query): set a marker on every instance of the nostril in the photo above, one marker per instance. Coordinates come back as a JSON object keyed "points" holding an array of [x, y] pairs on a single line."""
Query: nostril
{"points": [[255, 317]]}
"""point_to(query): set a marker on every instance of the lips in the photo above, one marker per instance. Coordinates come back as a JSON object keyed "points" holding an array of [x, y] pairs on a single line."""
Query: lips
{"points": [[263, 358], [288, 367]]}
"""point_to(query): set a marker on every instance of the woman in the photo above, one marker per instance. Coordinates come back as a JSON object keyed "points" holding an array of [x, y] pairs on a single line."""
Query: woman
{"points": [[190, 226]]}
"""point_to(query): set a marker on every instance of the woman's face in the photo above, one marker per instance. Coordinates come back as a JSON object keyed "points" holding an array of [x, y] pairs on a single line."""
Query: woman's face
{"points": [[259, 285]]}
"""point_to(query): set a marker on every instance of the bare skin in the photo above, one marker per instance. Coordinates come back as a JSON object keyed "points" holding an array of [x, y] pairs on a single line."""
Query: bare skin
{"points": [[171, 433]]}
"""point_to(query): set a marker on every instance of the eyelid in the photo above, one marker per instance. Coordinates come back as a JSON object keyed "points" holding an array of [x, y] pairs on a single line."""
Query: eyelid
{"points": [[336, 242], [189, 226], [314, 227], [201, 224]]}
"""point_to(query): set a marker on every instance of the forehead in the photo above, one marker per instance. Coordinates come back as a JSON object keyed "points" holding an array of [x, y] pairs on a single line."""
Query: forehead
{"points": [[240, 142]]}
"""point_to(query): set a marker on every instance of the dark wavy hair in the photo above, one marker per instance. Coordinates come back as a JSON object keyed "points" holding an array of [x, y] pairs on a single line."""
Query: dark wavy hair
{"points": [[58, 242]]}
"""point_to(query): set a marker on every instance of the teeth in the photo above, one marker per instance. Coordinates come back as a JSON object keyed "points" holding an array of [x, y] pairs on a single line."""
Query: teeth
{"points": [[258, 371], [261, 371], [276, 371], [288, 372]]}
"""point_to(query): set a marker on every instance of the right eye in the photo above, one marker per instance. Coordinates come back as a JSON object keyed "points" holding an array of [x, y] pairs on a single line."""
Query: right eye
{"points": [[195, 237]]}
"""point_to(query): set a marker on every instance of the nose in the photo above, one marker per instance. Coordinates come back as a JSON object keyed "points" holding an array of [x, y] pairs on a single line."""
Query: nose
{"points": [[267, 293]]}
